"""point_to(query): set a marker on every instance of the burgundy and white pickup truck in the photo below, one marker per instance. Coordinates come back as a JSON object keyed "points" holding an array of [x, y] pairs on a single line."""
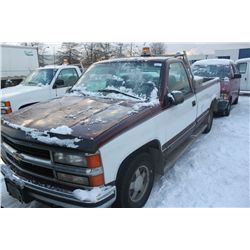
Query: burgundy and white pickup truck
{"points": [[124, 121]]}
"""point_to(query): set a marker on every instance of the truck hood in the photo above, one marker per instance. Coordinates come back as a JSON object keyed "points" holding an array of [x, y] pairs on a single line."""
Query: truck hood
{"points": [[11, 92], [88, 117]]}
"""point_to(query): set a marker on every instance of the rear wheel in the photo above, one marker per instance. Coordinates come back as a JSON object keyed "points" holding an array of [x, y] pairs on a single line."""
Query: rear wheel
{"points": [[135, 182], [237, 99]]}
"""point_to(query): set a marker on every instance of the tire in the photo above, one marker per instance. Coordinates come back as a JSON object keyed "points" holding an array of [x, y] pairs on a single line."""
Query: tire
{"points": [[210, 119], [237, 99], [135, 182], [228, 109]]}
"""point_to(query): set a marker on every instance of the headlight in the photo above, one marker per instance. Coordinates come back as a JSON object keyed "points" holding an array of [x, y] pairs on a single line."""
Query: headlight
{"points": [[70, 159]]}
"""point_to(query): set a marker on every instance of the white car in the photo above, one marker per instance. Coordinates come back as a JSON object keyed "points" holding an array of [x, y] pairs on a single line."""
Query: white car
{"points": [[41, 85]]}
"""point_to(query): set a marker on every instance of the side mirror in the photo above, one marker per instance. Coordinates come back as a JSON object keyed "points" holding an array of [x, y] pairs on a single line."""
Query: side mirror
{"points": [[237, 76], [174, 98], [58, 83]]}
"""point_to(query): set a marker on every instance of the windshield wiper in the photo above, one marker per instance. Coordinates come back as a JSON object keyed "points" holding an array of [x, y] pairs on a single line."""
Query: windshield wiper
{"points": [[117, 92], [71, 90]]}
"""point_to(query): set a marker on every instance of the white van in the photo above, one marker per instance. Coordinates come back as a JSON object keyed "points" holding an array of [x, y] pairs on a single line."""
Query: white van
{"points": [[244, 68]]}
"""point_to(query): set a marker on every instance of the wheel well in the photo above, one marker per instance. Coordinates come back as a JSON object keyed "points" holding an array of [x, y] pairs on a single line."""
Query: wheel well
{"points": [[26, 105], [153, 148]]}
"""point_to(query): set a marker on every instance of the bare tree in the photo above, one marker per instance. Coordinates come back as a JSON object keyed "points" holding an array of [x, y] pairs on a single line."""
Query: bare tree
{"points": [[69, 51], [93, 52], [158, 49]]}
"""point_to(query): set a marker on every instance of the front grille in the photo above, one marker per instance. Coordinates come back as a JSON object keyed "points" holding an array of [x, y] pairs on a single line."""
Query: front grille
{"points": [[41, 153], [32, 167]]}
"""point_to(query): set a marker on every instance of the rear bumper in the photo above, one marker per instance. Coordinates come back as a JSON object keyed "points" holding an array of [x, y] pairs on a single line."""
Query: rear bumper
{"points": [[32, 190]]}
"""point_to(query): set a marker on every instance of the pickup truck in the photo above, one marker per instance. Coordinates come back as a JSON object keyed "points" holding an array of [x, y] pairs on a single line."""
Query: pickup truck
{"points": [[41, 85], [229, 76], [101, 144]]}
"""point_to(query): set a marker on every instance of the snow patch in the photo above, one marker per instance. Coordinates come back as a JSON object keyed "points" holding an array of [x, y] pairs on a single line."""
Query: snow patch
{"points": [[153, 102], [213, 62], [63, 130], [92, 195], [45, 137]]}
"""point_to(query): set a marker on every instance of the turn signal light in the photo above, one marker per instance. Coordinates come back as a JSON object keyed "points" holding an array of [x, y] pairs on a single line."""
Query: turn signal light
{"points": [[94, 161], [7, 104], [95, 181]]}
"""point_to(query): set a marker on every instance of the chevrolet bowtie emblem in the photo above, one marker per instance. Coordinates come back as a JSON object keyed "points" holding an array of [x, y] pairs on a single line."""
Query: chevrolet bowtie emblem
{"points": [[18, 157]]}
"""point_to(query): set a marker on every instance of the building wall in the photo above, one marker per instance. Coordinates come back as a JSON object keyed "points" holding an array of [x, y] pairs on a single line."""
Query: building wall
{"points": [[232, 54]]}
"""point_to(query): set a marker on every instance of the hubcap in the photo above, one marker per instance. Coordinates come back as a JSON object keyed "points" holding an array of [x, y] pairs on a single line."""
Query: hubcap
{"points": [[139, 183]]}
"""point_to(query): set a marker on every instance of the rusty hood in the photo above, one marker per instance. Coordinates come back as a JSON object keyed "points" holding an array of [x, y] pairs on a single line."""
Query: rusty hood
{"points": [[87, 117]]}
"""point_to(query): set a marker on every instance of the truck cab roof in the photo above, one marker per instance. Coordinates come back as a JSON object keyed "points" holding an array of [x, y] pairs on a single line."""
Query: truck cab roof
{"points": [[58, 66], [134, 59], [214, 62]]}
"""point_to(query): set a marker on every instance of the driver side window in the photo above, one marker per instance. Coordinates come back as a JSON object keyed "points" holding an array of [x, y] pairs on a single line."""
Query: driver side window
{"points": [[178, 79]]}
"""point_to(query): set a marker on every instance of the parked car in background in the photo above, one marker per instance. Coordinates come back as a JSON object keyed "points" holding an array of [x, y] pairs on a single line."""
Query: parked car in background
{"points": [[125, 120], [229, 76], [244, 68], [16, 63], [41, 85]]}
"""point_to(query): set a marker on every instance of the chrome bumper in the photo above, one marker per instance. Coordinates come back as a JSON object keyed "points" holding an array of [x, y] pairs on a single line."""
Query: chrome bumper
{"points": [[55, 195]]}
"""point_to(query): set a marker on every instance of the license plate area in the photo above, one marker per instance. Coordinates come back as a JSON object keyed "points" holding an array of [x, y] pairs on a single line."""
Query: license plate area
{"points": [[17, 192], [14, 190]]}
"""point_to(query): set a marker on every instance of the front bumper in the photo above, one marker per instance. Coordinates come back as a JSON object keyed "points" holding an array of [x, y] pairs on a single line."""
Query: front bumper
{"points": [[30, 190]]}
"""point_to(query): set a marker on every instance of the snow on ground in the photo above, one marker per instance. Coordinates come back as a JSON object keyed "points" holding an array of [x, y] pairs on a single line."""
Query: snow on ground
{"points": [[214, 172]]}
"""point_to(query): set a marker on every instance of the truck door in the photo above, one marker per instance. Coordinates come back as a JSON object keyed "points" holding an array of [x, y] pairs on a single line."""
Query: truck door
{"points": [[244, 81], [65, 79], [179, 119]]}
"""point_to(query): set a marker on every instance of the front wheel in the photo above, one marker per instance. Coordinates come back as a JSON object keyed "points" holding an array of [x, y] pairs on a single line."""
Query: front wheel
{"points": [[135, 182], [210, 119], [228, 109]]}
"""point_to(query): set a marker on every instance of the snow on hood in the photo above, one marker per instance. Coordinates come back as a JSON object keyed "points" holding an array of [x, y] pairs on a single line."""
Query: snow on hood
{"points": [[63, 130], [88, 117], [20, 89], [45, 137]]}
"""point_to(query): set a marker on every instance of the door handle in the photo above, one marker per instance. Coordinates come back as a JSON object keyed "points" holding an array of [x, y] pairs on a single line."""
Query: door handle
{"points": [[193, 103]]}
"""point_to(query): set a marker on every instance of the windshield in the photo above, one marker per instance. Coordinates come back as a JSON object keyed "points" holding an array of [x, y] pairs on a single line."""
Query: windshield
{"points": [[40, 77], [220, 70], [135, 79]]}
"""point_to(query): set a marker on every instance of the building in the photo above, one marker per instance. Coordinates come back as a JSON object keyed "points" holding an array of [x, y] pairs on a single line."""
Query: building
{"points": [[233, 54]]}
